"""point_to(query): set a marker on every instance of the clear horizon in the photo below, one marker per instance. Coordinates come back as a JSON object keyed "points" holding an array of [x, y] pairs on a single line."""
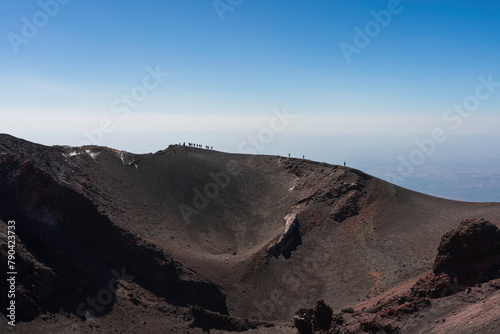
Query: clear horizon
{"points": [[408, 91]]}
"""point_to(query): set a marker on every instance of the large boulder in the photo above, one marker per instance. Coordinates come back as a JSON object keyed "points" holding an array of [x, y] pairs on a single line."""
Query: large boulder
{"points": [[470, 253], [322, 316], [302, 320], [319, 319]]}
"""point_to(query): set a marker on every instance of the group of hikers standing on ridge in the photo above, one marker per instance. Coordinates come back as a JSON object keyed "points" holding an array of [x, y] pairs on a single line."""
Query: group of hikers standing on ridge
{"points": [[198, 146], [211, 148]]}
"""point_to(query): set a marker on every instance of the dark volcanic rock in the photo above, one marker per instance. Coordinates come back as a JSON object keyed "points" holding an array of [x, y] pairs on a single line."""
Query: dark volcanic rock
{"points": [[435, 286], [308, 321], [467, 255], [322, 316], [470, 253], [73, 251], [303, 321]]}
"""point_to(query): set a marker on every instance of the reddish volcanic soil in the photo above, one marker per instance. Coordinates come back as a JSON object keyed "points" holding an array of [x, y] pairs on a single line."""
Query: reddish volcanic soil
{"points": [[190, 240]]}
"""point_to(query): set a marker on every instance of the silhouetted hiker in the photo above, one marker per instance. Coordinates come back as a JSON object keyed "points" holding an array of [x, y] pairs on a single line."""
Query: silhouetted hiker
{"points": [[344, 163], [211, 147], [303, 157], [184, 144], [289, 155]]}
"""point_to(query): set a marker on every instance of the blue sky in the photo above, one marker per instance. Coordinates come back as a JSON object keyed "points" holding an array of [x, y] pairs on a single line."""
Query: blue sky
{"points": [[225, 77]]}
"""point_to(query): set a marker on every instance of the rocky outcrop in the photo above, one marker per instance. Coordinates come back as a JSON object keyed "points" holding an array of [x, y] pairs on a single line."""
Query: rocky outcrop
{"points": [[470, 253], [302, 320], [322, 316], [343, 191], [285, 243], [468, 256], [319, 319]]}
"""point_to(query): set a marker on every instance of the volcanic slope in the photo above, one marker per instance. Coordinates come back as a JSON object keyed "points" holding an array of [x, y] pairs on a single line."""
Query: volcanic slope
{"points": [[252, 236]]}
